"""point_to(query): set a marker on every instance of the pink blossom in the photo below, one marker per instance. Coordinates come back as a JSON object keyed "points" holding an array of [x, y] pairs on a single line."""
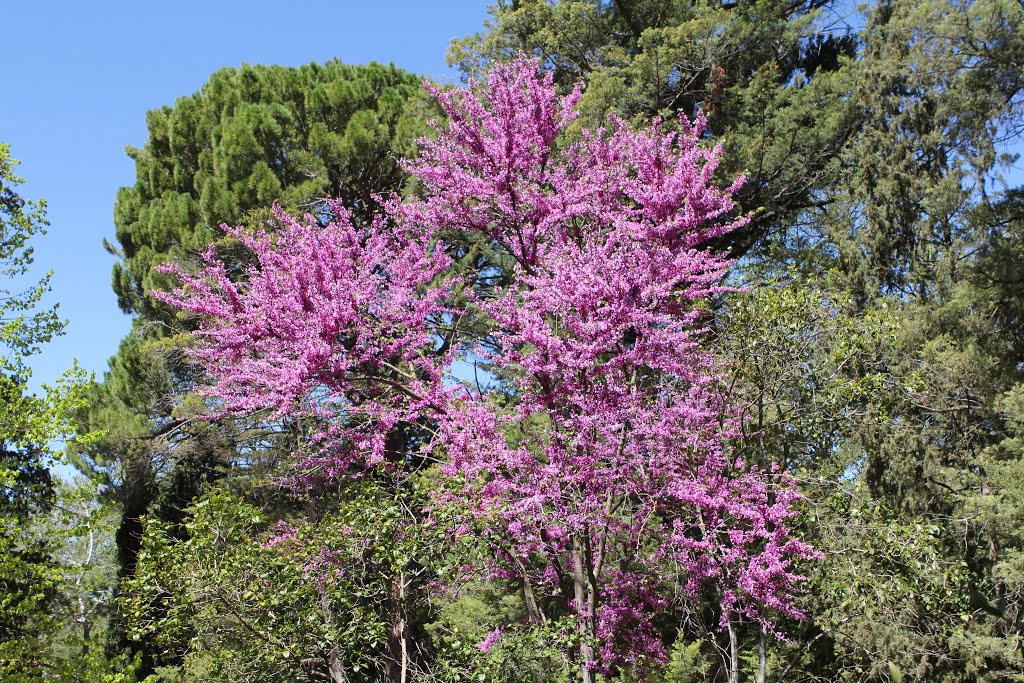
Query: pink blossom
{"points": [[599, 464], [487, 643]]}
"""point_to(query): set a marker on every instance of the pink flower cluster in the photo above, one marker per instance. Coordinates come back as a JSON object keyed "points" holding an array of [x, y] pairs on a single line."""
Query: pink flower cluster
{"points": [[332, 322], [599, 464]]}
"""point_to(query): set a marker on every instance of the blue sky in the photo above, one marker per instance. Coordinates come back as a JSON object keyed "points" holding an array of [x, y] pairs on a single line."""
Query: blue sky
{"points": [[78, 79]]}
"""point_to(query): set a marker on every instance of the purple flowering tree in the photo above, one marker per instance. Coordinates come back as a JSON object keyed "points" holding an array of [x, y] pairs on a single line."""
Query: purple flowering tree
{"points": [[598, 464]]}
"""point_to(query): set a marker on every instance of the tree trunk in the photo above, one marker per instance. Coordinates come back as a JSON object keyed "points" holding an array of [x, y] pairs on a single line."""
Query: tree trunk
{"points": [[398, 637], [397, 667], [762, 654], [84, 619], [533, 610], [335, 668], [734, 655], [584, 601], [83, 611]]}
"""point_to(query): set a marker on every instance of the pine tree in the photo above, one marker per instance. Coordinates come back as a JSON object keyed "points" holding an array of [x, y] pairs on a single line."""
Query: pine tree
{"points": [[250, 137]]}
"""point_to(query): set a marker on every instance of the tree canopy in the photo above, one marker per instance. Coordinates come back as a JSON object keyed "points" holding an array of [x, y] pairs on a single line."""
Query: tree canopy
{"points": [[608, 413], [554, 398]]}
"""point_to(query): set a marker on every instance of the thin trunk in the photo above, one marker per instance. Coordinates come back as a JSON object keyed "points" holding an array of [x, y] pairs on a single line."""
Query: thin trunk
{"points": [[84, 618], [405, 657], [583, 592], [734, 655], [83, 611], [397, 666], [762, 654], [335, 666], [398, 646], [584, 599], [533, 611]]}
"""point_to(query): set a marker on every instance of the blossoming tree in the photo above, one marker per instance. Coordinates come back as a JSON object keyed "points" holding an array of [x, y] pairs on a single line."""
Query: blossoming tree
{"points": [[596, 461]]}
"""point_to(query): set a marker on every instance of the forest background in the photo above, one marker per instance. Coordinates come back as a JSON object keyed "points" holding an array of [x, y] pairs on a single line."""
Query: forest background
{"points": [[875, 353]]}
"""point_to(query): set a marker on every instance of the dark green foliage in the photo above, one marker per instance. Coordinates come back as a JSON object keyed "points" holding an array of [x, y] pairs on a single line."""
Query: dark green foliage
{"points": [[244, 596], [252, 137], [28, 576]]}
